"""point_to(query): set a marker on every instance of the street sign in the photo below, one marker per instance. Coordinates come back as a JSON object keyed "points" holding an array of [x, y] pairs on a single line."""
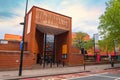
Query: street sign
{"points": [[21, 44]]}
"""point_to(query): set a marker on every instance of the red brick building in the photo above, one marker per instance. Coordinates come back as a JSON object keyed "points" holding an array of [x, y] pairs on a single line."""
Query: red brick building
{"points": [[41, 24], [86, 38]]}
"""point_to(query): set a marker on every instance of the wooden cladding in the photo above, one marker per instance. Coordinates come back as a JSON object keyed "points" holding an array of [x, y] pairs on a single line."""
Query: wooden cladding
{"points": [[47, 18]]}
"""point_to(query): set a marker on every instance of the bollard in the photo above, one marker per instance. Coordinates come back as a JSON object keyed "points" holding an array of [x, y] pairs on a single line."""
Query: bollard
{"points": [[63, 63], [112, 64], [57, 63], [51, 63]]}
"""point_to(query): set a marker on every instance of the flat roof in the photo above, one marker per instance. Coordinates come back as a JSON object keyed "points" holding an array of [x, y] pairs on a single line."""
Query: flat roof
{"points": [[48, 11]]}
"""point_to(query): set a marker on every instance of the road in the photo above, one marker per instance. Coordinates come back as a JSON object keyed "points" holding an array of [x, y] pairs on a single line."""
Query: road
{"points": [[110, 74]]}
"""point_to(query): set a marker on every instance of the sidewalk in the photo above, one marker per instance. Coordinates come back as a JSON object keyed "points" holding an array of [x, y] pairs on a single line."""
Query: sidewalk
{"points": [[5, 75]]}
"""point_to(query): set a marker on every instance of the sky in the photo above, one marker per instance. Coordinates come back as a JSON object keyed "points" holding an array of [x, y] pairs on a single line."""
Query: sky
{"points": [[85, 14]]}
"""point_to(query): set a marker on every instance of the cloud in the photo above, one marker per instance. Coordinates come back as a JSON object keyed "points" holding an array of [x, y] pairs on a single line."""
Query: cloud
{"points": [[84, 18], [10, 17], [84, 15], [11, 24]]}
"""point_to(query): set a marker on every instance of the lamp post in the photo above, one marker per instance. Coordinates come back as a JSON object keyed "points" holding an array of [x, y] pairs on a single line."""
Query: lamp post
{"points": [[94, 42], [96, 46], [22, 48]]}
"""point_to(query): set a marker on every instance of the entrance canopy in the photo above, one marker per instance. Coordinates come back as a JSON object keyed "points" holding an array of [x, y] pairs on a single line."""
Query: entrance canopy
{"points": [[51, 23], [50, 30]]}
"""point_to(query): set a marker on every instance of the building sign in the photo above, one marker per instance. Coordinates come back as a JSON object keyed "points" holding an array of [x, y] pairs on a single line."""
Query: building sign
{"points": [[3, 42], [64, 49], [29, 22], [96, 38], [47, 18]]}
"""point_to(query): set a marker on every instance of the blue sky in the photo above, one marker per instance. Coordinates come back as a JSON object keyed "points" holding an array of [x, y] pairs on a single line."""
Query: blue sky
{"points": [[84, 13]]}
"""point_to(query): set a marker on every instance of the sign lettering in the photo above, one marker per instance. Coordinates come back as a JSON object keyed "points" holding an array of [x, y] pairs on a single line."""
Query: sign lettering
{"points": [[51, 19]]}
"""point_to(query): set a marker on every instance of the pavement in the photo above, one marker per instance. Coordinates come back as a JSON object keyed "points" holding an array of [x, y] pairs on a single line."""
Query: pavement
{"points": [[13, 75]]}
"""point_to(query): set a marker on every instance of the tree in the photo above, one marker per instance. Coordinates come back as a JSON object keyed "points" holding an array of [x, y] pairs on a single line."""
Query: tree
{"points": [[105, 45], [109, 25], [79, 41], [89, 44]]}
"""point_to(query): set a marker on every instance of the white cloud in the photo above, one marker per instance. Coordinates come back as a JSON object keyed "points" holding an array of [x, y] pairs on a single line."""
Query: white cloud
{"points": [[11, 25], [41, 5], [84, 18]]}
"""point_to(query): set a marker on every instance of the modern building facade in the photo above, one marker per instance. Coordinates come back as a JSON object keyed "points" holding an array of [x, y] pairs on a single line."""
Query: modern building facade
{"points": [[48, 38], [42, 23]]}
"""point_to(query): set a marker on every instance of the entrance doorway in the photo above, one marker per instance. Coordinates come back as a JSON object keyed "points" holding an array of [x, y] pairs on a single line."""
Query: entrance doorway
{"points": [[47, 56], [49, 49], [50, 42]]}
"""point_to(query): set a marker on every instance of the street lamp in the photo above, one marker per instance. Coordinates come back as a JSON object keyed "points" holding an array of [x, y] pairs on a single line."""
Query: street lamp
{"points": [[96, 46], [22, 48]]}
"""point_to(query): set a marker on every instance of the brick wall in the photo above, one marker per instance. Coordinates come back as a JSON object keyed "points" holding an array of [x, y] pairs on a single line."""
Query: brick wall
{"points": [[75, 50], [61, 39], [76, 58], [11, 45], [11, 59], [10, 55]]}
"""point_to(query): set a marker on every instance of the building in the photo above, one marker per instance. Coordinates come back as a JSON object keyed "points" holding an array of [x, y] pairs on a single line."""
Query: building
{"points": [[48, 38], [86, 38], [12, 37]]}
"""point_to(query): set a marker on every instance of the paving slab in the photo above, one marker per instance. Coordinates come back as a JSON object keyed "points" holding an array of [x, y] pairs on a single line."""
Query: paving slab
{"points": [[5, 75]]}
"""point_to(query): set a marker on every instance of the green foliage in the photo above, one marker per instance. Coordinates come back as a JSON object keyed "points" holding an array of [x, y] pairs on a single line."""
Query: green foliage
{"points": [[86, 44], [109, 25], [89, 44], [106, 45], [80, 42], [79, 36]]}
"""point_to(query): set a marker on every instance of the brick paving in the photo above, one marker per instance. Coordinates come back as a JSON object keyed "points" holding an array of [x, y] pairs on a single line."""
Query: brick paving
{"points": [[53, 71], [113, 72]]}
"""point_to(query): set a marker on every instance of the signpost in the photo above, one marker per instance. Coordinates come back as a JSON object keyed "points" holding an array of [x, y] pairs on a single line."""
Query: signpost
{"points": [[96, 47]]}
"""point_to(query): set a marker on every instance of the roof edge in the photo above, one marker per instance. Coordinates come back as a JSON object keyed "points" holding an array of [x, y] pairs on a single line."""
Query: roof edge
{"points": [[47, 10]]}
